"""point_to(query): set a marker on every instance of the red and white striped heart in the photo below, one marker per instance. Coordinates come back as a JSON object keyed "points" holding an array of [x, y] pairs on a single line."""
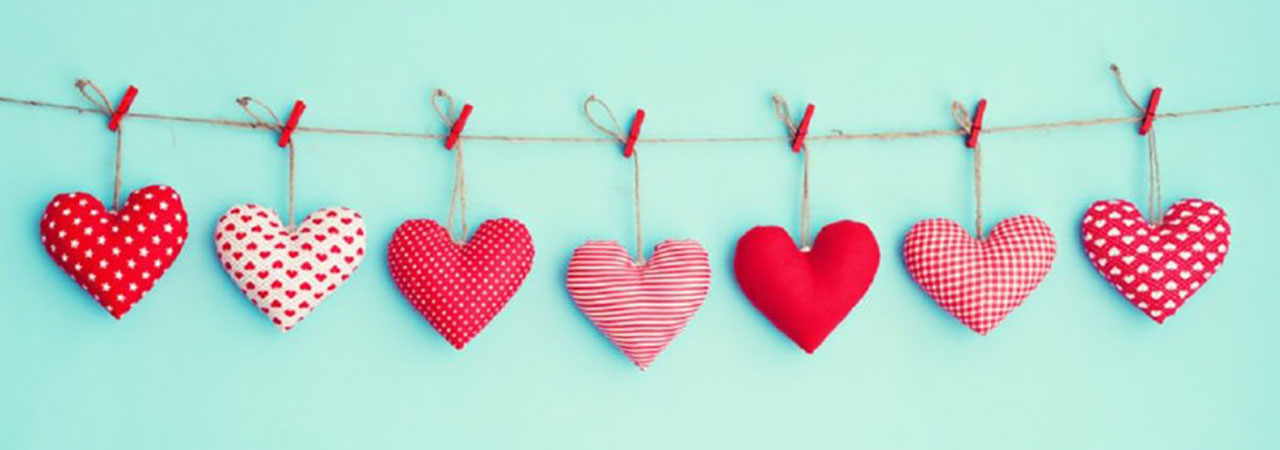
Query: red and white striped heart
{"points": [[115, 256], [287, 273], [979, 282], [640, 308], [1156, 268]]}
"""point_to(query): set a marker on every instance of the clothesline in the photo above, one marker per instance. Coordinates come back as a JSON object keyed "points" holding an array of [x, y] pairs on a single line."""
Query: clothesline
{"points": [[834, 136]]}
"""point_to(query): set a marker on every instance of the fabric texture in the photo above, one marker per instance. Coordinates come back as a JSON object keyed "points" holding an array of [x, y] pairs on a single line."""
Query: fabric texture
{"points": [[1156, 268], [979, 282], [460, 288], [640, 308], [807, 293], [287, 273], [115, 256]]}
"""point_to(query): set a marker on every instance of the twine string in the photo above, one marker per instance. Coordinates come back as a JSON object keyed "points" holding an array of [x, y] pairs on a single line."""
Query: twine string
{"points": [[619, 135], [1154, 198], [784, 112], [962, 119], [247, 104], [104, 105], [458, 198]]}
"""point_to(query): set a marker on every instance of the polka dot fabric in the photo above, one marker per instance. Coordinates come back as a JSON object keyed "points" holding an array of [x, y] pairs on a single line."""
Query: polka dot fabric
{"points": [[979, 282], [460, 288], [115, 256], [287, 273], [1156, 268]]}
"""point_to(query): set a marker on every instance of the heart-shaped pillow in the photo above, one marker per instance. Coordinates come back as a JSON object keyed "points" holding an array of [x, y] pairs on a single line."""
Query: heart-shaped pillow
{"points": [[1157, 268], [979, 282], [640, 308], [807, 293], [287, 273], [459, 288], [116, 256]]}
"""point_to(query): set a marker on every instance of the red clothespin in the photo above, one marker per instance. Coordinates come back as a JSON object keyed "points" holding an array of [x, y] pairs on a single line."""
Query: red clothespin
{"points": [[1150, 115], [976, 129], [286, 134], [122, 108], [456, 130], [633, 135], [803, 130]]}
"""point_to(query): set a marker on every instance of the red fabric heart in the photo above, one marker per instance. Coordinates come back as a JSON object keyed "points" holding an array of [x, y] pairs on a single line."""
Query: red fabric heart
{"points": [[116, 256], [807, 293], [287, 273], [979, 282], [1156, 268], [459, 288], [639, 308]]}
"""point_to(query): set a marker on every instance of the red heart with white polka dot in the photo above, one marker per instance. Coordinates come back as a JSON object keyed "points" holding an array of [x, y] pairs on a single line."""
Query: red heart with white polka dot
{"points": [[288, 272], [1156, 268], [116, 256], [460, 288]]}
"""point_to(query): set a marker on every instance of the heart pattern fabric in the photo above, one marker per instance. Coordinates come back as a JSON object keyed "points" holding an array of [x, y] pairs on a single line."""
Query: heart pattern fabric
{"points": [[460, 288], [1157, 268], [288, 272], [115, 256], [640, 308], [979, 281], [806, 293]]}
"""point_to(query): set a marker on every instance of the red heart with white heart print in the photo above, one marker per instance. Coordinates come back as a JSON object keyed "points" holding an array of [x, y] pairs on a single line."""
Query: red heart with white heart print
{"points": [[806, 293], [640, 308], [459, 288], [288, 272], [979, 281], [1156, 268], [116, 256]]}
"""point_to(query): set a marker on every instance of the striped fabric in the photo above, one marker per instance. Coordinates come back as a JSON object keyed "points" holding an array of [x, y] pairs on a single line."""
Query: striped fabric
{"points": [[639, 308]]}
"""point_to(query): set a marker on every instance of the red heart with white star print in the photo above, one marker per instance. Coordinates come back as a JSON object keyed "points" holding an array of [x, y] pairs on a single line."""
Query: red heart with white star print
{"points": [[460, 288], [288, 272], [979, 281], [116, 256], [1156, 268], [640, 308]]}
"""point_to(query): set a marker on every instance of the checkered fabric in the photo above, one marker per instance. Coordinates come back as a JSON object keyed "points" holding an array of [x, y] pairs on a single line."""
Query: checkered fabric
{"points": [[979, 282]]}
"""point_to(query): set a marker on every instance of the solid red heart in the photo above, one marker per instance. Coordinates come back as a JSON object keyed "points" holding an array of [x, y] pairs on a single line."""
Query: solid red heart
{"points": [[1156, 268], [979, 282], [640, 308], [459, 288], [116, 256], [807, 293]]}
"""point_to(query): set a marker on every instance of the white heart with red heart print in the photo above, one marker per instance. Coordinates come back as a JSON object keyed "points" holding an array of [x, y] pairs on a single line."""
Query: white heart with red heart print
{"points": [[287, 273]]}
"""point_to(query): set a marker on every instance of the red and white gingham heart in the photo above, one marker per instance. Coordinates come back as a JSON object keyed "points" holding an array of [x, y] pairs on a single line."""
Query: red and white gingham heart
{"points": [[287, 273], [1156, 268], [115, 256], [639, 308], [980, 282]]}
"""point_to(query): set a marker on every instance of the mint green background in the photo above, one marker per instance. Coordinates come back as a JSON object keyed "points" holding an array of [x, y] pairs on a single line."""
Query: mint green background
{"points": [[194, 366]]}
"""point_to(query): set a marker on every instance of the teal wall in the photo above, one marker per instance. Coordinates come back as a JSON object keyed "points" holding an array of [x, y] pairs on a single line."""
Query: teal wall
{"points": [[195, 366]]}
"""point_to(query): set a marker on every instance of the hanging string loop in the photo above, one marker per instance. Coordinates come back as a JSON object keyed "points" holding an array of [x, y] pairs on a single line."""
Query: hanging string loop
{"points": [[99, 99], [248, 104], [1154, 200], [443, 104], [628, 140], [961, 116], [796, 136]]}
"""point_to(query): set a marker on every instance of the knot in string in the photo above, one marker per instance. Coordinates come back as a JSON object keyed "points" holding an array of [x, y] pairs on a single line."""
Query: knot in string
{"points": [[1154, 199], [458, 198], [248, 104], [619, 135], [962, 119], [784, 112], [108, 110]]}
